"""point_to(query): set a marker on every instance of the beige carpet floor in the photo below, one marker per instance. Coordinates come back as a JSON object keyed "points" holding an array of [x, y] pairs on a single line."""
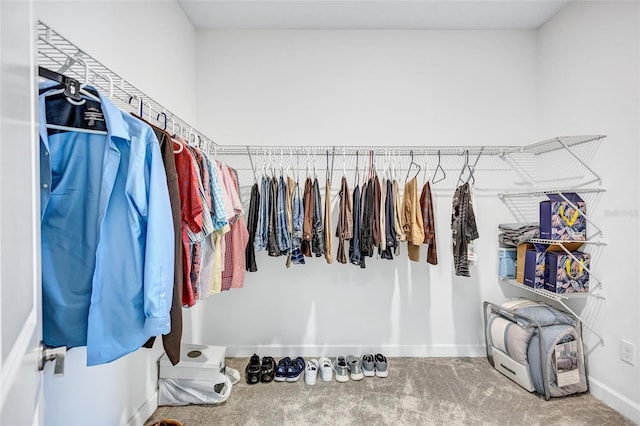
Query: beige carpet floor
{"points": [[418, 391]]}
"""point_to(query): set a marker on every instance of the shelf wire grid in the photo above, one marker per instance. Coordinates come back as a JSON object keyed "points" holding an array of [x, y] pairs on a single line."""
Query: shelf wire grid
{"points": [[60, 55]]}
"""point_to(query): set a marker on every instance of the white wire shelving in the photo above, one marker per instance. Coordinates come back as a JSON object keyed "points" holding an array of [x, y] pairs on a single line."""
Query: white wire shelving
{"points": [[58, 54], [511, 199]]}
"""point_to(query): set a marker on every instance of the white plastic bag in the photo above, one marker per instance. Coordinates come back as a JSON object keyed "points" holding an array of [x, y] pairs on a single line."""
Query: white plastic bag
{"points": [[185, 392]]}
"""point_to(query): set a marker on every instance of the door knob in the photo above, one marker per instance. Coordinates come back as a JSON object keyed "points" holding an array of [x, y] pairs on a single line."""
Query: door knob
{"points": [[52, 354]]}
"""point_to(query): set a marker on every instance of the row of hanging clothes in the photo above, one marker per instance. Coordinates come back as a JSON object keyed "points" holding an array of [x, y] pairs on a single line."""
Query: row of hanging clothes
{"points": [[136, 224], [288, 218]]}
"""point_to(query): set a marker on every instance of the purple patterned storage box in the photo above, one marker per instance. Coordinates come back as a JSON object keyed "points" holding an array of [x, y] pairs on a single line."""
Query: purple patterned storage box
{"points": [[534, 265], [560, 221], [564, 274]]}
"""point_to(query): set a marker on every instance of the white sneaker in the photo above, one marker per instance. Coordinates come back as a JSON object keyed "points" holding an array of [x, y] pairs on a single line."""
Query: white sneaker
{"points": [[311, 372], [326, 369]]}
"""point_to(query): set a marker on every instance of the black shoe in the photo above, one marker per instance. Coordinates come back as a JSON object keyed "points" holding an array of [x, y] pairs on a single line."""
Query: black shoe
{"points": [[268, 369], [252, 372]]}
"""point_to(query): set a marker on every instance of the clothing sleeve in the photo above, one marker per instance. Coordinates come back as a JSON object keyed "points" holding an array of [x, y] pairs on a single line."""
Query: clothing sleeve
{"points": [[159, 247], [219, 219], [190, 203]]}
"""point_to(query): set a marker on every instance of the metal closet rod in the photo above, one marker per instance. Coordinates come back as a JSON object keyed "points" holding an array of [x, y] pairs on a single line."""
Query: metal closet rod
{"points": [[360, 150], [558, 143]]}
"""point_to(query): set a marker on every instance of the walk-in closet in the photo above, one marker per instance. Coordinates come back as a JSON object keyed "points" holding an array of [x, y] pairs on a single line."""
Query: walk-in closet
{"points": [[319, 212]]}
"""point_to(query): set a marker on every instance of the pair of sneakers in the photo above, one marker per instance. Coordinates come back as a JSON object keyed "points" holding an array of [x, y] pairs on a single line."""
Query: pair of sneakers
{"points": [[323, 367], [346, 367], [258, 370], [290, 370], [375, 365]]}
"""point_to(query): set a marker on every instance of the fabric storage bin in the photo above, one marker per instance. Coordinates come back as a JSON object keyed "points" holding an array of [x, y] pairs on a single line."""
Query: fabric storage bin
{"points": [[534, 268], [535, 261], [537, 346], [507, 262], [520, 259], [560, 221], [564, 274]]}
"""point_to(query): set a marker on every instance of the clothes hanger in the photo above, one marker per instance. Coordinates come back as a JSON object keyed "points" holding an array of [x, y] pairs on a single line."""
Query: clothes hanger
{"points": [[164, 125], [281, 163], [372, 165], [427, 178], [140, 104], [75, 94], [472, 169], [271, 167], [173, 131], [386, 171], [466, 166], [333, 158], [412, 163], [315, 171], [395, 165], [435, 173], [73, 90], [253, 169], [357, 182], [289, 169], [329, 172], [326, 171]]}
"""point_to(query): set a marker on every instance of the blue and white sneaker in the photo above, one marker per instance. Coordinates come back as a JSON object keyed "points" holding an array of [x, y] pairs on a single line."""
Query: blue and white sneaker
{"points": [[281, 369], [295, 369]]}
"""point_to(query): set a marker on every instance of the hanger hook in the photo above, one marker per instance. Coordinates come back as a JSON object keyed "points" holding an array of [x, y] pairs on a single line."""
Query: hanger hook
{"points": [[164, 127], [140, 103]]}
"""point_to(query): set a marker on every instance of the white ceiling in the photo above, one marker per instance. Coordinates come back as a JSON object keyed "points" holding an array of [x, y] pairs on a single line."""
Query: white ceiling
{"points": [[366, 14]]}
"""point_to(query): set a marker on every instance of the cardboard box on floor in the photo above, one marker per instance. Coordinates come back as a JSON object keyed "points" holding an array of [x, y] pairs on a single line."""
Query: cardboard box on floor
{"points": [[522, 253]]}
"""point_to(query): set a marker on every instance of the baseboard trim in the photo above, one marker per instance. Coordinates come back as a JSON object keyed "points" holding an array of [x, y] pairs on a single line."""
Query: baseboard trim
{"points": [[422, 351], [615, 400], [145, 411]]}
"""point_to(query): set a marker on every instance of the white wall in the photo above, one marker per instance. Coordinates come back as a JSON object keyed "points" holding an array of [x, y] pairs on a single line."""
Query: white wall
{"points": [[366, 88], [588, 82], [151, 45]]}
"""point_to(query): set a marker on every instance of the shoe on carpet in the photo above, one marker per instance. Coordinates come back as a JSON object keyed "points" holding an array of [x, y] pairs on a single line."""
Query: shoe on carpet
{"points": [[281, 369], [167, 422], [355, 368], [252, 371], [268, 369], [368, 365], [326, 369], [295, 369], [311, 372], [341, 369], [381, 366]]}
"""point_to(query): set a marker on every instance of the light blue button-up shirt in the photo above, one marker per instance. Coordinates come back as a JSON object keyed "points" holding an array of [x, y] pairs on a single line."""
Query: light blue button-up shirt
{"points": [[107, 236]]}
